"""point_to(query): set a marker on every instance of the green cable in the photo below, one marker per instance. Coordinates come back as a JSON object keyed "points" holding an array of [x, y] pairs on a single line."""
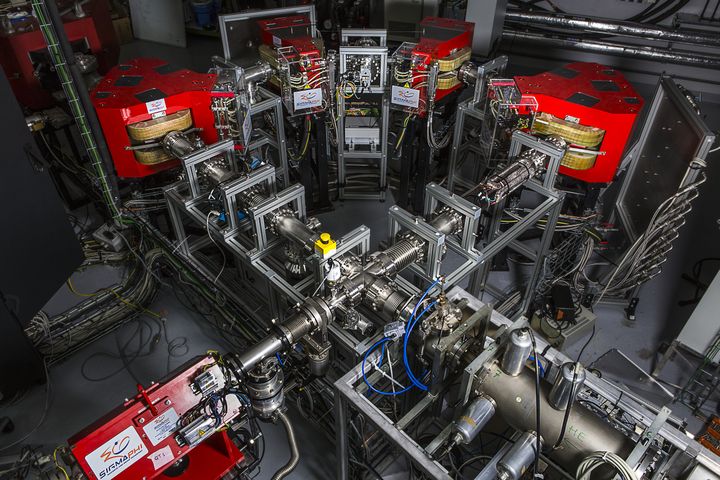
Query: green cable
{"points": [[69, 88]]}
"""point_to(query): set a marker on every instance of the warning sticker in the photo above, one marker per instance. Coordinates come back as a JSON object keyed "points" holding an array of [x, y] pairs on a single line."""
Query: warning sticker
{"points": [[117, 454], [161, 426]]}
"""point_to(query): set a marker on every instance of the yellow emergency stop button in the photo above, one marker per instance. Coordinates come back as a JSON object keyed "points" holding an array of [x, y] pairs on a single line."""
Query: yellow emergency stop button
{"points": [[325, 245]]}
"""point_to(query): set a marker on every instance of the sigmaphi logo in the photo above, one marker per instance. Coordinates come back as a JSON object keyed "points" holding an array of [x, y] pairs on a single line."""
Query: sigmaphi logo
{"points": [[405, 94], [308, 98], [116, 449], [116, 454]]}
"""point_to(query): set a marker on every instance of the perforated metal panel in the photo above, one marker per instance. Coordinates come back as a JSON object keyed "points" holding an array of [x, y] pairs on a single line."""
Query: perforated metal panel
{"points": [[672, 136]]}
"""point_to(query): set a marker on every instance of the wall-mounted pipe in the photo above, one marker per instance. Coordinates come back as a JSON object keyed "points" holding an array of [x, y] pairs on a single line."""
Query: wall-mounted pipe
{"points": [[613, 27], [608, 48]]}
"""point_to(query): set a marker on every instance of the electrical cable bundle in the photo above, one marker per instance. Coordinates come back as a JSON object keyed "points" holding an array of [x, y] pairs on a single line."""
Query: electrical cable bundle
{"points": [[644, 259], [599, 459], [430, 134], [101, 312], [412, 322], [305, 142]]}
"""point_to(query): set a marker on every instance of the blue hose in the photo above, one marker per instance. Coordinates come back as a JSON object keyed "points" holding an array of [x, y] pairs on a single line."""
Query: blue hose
{"points": [[415, 381], [411, 325], [382, 342]]}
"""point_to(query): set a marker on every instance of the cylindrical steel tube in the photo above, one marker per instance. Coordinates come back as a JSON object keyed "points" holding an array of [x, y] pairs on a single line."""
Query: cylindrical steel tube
{"points": [[265, 348], [293, 229], [520, 456], [402, 254], [473, 419], [257, 73], [265, 388], [567, 384], [216, 171], [613, 27], [517, 352], [585, 432], [468, 73], [177, 144], [642, 53]]}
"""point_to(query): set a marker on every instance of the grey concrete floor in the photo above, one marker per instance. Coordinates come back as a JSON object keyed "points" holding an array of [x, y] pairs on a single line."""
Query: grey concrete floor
{"points": [[74, 402]]}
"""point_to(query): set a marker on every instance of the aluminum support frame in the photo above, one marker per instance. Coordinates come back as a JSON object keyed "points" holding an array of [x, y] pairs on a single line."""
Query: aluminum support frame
{"points": [[264, 175], [348, 35], [473, 107], [348, 158], [271, 104], [191, 161], [347, 398], [400, 219]]}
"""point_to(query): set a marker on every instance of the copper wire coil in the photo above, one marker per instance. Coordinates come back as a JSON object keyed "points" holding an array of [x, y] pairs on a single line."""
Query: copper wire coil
{"points": [[581, 135], [454, 61], [588, 137], [142, 132], [152, 156]]}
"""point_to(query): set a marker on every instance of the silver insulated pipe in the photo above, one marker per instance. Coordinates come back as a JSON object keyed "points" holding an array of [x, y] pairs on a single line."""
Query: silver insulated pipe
{"points": [[527, 165], [613, 27]]}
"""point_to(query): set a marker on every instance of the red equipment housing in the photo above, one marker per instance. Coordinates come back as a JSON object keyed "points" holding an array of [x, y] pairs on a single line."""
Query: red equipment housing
{"points": [[440, 38], [286, 31], [292, 31], [593, 95], [288, 44], [144, 89], [137, 439], [26, 61]]}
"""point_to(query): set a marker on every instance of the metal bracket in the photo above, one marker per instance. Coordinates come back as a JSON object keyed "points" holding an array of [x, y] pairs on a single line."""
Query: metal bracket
{"points": [[262, 175]]}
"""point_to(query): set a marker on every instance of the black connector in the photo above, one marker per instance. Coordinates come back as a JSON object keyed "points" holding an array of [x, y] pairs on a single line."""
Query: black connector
{"points": [[561, 303]]}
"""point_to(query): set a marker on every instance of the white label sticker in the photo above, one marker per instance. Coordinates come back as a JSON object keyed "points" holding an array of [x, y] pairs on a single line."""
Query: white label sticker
{"points": [[570, 118], [156, 106], [117, 454], [162, 457], [407, 97], [247, 128], [276, 41], [161, 426], [310, 98]]}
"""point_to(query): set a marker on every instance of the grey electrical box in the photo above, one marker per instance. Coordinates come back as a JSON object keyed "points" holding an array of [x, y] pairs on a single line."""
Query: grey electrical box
{"points": [[488, 17], [402, 17]]}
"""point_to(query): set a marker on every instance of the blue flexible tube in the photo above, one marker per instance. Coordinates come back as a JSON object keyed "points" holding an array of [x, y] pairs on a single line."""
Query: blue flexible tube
{"points": [[382, 342], [539, 364], [411, 326], [421, 300]]}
